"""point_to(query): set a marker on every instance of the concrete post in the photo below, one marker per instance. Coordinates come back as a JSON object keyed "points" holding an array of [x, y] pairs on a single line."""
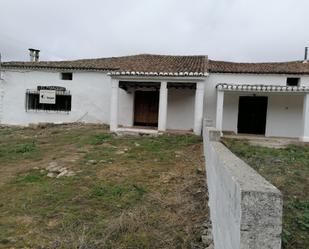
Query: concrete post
{"points": [[1, 100], [198, 108], [114, 105], [1, 93], [219, 112], [305, 136], [163, 106]]}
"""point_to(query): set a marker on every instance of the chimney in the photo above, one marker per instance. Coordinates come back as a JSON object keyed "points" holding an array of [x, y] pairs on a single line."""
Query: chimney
{"points": [[306, 55], [34, 55]]}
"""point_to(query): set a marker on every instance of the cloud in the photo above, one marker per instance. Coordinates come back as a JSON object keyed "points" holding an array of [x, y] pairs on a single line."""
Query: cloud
{"points": [[241, 30]]}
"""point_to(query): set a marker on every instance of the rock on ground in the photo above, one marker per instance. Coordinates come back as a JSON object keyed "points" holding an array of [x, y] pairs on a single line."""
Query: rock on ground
{"points": [[50, 174], [54, 170]]}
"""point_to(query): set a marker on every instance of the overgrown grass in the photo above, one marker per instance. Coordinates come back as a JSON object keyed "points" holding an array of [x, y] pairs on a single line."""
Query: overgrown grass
{"points": [[287, 169], [128, 192], [16, 150]]}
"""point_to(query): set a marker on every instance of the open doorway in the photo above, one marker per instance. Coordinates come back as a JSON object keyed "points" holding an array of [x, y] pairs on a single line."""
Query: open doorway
{"points": [[252, 112], [146, 108]]}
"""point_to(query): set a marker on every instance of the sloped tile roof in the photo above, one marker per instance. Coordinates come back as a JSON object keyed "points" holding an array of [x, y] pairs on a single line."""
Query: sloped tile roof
{"points": [[293, 67], [172, 65], [135, 63]]}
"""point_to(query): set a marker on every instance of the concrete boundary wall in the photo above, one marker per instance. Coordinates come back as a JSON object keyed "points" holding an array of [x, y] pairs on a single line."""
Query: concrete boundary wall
{"points": [[245, 209]]}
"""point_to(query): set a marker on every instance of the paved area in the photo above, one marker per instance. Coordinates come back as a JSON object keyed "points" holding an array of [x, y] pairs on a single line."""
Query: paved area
{"points": [[270, 142], [136, 131], [141, 130]]}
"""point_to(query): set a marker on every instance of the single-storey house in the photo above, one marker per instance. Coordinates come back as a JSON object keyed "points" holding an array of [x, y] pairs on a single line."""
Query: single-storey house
{"points": [[163, 92]]}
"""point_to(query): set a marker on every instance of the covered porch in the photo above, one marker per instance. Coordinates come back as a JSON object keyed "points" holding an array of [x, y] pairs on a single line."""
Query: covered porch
{"points": [[266, 110], [157, 105]]}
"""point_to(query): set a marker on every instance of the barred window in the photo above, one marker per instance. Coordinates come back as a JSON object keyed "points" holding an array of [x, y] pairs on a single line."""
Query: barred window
{"points": [[62, 103]]}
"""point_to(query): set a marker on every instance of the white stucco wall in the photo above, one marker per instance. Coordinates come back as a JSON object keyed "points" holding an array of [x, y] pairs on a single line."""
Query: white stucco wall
{"points": [[126, 108], [180, 109], [284, 114], [230, 112], [90, 97], [91, 93]]}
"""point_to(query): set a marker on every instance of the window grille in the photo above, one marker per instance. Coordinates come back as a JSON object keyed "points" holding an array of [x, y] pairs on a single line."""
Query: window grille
{"points": [[63, 102]]}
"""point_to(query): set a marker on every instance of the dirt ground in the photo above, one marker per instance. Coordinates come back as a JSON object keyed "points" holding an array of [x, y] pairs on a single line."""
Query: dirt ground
{"points": [[114, 192]]}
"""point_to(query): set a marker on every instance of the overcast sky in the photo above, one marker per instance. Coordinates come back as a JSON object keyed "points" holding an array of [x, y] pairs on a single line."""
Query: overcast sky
{"points": [[238, 30]]}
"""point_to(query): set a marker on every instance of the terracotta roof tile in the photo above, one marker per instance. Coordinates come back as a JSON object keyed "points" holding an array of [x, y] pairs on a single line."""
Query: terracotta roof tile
{"points": [[169, 64], [136, 63], [293, 67]]}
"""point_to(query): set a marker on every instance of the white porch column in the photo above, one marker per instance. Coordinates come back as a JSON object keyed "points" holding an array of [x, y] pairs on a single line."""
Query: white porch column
{"points": [[162, 106], [1, 97], [198, 108], [305, 136], [219, 112], [114, 105]]}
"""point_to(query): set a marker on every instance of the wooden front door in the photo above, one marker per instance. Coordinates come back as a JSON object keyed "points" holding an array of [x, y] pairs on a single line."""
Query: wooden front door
{"points": [[146, 108], [252, 112]]}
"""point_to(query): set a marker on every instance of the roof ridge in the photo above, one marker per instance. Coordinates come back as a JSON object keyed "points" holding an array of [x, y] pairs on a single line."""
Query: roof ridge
{"points": [[150, 63], [147, 63], [265, 62], [286, 67], [105, 58]]}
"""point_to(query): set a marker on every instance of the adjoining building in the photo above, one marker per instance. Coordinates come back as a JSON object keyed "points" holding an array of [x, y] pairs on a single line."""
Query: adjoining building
{"points": [[161, 92]]}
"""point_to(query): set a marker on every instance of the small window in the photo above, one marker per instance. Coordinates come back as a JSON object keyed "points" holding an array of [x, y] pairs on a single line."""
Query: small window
{"points": [[292, 81], [62, 103], [66, 76]]}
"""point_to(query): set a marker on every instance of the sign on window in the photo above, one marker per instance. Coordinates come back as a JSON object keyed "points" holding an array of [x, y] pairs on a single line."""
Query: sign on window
{"points": [[47, 97]]}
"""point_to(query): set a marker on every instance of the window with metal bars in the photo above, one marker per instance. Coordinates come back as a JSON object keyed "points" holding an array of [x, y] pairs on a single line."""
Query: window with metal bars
{"points": [[63, 102]]}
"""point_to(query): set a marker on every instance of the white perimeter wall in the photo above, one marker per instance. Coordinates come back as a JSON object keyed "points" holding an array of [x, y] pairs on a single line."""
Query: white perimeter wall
{"points": [[90, 98], [245, 210], [284, 114]]}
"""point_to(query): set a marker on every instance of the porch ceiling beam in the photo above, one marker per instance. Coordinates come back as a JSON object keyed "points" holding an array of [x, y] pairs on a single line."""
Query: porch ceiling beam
{"points": [[181, 85], [126, 85]]}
